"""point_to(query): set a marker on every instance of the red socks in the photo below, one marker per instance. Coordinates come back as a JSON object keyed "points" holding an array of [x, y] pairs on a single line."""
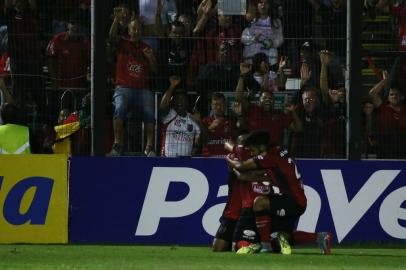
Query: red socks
{"points": [[263, 221], [300, 237]]}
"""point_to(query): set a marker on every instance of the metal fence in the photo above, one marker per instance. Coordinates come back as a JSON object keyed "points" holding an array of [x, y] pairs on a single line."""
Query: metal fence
{"points": [[281, 66]]}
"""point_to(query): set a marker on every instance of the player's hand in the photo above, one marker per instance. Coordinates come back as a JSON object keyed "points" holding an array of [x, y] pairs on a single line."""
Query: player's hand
{"points": [[232, 163]]}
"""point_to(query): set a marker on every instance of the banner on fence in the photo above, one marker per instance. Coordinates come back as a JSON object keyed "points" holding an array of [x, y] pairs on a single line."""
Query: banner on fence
{"points": [[179, 201], [33, 199]]}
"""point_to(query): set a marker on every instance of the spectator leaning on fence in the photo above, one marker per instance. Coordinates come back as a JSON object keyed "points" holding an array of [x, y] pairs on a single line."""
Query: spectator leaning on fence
{"points": [[14, 138], [135, 62]]}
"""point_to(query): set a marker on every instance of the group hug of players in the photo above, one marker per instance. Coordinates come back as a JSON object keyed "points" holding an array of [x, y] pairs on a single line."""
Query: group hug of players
{"points": [[265, 200]]}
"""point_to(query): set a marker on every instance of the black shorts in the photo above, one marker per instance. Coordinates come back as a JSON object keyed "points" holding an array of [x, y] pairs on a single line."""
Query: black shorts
{"points": [[246, 228], [285, 213], [226, 229]]}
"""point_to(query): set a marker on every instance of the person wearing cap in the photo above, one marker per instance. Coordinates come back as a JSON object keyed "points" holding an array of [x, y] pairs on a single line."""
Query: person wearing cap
{"points": [[307, 67], [180, 132], [14, 138]]}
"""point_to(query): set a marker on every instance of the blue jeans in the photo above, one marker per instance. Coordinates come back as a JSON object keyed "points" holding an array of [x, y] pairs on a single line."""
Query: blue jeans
{"points": [[140, 102]]}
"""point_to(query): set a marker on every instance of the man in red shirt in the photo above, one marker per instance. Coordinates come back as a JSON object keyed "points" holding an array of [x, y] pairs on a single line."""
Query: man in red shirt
{"points": [[25, 57], [135, 62], [285, 202], [69, 55], [263, 116], [220, 128], [391, 120]]}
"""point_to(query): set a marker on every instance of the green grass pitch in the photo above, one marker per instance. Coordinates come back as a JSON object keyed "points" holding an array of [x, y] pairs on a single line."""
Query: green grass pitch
{"points": [[57, 257]]}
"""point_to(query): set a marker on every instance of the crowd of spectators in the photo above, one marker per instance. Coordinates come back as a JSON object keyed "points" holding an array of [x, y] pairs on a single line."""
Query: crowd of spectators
{"points": [[215, 75]]}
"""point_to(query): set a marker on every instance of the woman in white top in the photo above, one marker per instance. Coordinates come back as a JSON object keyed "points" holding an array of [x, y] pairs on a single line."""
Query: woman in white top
{"points": [[264, 35]]}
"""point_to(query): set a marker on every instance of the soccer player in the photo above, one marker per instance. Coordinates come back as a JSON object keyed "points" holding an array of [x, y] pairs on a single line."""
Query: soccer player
{"points": [[278, 211], [231, 214]]}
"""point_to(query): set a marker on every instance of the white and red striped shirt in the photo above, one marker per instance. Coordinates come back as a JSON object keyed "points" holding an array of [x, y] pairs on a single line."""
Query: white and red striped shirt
{"points": [[178, 135]]}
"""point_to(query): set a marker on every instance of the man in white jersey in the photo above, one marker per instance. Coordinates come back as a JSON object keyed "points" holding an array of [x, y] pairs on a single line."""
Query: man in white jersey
{"points": [[180, 132]]}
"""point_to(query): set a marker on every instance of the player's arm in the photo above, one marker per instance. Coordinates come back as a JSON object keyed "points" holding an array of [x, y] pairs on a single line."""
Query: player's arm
{"points": [[251, 176], [229, 146], [249, 164]]}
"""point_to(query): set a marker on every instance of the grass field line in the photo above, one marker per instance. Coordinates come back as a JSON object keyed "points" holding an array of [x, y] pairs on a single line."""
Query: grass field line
{"points": [[57, 257]]}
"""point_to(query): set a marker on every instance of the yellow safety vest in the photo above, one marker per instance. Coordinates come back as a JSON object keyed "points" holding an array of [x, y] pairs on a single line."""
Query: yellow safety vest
{"points": [[14, 139]]}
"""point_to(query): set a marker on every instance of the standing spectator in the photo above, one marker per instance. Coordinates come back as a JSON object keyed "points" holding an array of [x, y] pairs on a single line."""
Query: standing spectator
{"points": [[307, 143], [25, 55], [264, 116], [69, 57], [263, 78], [263, 35], [175, 54], [219, 54], [180, 132], [155, 16], [334, 109], [310, 62], [14, 138], [391, 120], [220, 128], [135, 63]]}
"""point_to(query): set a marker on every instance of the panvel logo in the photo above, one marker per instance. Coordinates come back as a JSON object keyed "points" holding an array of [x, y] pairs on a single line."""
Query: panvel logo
{"points": [[27, 202], [345, 213]]}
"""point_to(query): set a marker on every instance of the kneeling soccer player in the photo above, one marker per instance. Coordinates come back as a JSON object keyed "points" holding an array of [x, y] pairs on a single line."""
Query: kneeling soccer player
{"points": [[282, 207]]}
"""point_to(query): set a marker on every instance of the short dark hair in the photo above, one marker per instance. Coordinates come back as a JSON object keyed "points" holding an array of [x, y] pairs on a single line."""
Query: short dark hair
{"points": [[9, 113], [257, 138], [218, 96], [257, 60]]}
